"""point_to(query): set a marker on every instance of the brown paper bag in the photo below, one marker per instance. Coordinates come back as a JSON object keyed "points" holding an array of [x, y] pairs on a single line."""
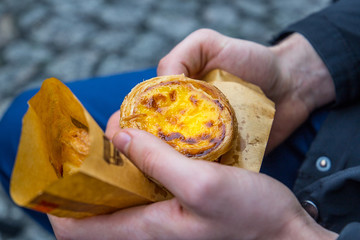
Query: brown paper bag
{"points": [[254, 114], [107, 180]]}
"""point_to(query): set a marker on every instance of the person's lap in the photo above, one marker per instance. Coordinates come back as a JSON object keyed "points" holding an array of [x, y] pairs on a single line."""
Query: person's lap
{"points": [[102, 96]]}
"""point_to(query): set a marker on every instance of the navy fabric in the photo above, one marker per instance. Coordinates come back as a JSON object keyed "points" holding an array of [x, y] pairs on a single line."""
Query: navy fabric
{"points": [[284, 162], [350, 232]]}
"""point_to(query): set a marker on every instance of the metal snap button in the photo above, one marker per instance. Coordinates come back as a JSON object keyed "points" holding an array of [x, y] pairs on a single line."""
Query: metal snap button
{"points": [[323, 164], [310, 208]]}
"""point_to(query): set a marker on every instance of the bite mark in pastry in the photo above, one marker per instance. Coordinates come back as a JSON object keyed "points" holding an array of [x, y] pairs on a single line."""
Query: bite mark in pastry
{"points": [[75, 147], [191, 115]]}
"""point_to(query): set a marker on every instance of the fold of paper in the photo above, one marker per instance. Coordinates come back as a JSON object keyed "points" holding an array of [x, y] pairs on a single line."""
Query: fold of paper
{"points": [[254, 114]]}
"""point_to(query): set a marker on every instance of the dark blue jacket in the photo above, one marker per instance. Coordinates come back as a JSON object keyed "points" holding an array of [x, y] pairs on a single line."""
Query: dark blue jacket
{"points": [[328, 181]]}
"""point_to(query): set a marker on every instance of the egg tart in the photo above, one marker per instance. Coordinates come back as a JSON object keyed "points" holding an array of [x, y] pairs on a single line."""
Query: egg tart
{"points": [[192, 116]]}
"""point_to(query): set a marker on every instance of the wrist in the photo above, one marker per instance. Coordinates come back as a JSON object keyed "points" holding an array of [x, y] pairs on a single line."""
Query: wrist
{"points": [[304, 227], [307, 76]]}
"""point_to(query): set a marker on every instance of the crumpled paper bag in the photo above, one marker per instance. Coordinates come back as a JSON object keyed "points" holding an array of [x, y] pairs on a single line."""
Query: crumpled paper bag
{"points": [[105, 182]]}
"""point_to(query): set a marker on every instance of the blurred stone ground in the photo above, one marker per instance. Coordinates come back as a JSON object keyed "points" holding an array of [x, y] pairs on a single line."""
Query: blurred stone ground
{"points": [[73, 40]]}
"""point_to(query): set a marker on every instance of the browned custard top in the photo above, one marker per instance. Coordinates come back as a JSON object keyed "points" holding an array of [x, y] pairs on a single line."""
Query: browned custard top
{"points": [[190, 115]]}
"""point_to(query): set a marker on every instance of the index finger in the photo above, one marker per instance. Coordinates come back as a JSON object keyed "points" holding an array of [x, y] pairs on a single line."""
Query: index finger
{"points": [[191, 56]]}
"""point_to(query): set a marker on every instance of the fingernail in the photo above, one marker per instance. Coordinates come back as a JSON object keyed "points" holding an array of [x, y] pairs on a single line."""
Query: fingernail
{"points": [[121, 140]]}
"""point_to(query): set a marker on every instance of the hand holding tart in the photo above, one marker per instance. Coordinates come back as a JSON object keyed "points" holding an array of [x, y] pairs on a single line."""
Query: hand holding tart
{"points": [[192, 116]]}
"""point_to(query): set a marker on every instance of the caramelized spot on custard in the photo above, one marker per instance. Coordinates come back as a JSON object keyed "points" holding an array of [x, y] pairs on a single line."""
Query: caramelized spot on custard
{"points": [[191, 140], [172, 96], [193, 100], [173, 120], [159, 98], [154, 102], [205, 136], [209, 124], [219, 104], [171, 136]]}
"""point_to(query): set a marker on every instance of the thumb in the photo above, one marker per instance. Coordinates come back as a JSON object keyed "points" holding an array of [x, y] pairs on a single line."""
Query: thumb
{"points": [[157, 159]]}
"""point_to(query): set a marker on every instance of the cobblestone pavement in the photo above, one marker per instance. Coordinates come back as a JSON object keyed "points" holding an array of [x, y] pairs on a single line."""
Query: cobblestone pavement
{"points": [[73, 40]]}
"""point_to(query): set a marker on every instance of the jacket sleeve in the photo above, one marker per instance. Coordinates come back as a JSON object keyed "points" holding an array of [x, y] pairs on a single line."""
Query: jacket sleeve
{"points": [[334, 33], [350, 232]]}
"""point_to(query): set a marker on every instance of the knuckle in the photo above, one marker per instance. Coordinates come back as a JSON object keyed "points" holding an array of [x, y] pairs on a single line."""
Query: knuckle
{"points": [[205, 32], [148, 165], [162, 64], [206, 186]]}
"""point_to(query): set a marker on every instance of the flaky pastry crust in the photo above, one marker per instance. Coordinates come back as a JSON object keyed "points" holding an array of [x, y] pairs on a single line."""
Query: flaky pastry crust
{"points": [[192, 116], [75, 146]]}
